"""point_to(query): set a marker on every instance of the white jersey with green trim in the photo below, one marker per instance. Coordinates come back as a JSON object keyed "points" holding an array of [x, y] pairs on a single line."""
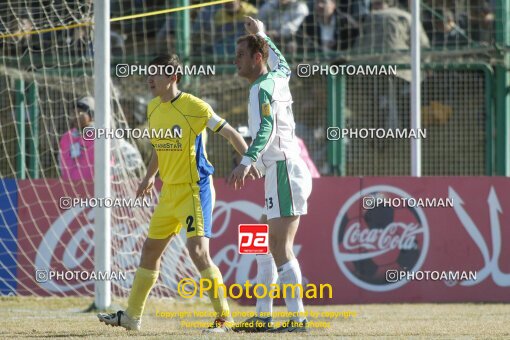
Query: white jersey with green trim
{"points": [[270, 118]]}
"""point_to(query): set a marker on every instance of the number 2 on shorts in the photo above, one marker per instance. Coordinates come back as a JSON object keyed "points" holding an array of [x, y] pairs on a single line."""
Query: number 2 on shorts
{"points": [[189, 222]]}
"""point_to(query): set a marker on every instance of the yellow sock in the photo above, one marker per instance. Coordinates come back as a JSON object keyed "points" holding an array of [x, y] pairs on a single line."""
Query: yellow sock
{"points": [[219, 303], [142, 285]]}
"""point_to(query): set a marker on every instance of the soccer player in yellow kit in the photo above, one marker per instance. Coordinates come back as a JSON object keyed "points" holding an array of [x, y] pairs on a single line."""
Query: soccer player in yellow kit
{"points": [[187, 195]]}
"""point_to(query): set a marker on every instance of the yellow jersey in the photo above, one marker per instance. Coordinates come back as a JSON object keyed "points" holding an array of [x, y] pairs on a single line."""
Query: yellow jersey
{"points": [[176, 130]]}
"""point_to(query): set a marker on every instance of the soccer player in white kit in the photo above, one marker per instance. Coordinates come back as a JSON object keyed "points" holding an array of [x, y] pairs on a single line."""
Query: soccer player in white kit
{"points": [[288, 183]]}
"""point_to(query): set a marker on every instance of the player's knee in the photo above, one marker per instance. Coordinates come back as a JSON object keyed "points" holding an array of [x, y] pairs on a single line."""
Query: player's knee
{"points": [[281, 250], [149, 257], [193, 248], [274, 244], [289, 253], [280, 243], [277, 248]]}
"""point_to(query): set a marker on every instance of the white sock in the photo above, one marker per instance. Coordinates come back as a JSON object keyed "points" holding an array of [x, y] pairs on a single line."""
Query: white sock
{"points": [[266, 275], [290, 273]]}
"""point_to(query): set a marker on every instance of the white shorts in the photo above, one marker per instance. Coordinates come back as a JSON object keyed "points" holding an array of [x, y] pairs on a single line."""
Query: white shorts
{"points": [[287, 187]]}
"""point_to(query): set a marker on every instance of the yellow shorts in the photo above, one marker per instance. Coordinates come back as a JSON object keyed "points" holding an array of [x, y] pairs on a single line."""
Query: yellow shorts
{"points": [[188, 204]]}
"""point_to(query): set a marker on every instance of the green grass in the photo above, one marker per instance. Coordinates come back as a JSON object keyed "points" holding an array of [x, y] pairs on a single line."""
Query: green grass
{"points": [[33, 317]]}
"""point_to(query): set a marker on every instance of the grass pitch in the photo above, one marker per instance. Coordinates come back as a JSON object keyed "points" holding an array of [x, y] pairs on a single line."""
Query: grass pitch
{"points": [[32, 317]]}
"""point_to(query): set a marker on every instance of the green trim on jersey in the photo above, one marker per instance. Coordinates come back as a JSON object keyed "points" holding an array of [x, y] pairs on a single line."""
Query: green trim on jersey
{"points": [[284, 191], [266, 89], [266, 84], [283, 67], [260, 79]]}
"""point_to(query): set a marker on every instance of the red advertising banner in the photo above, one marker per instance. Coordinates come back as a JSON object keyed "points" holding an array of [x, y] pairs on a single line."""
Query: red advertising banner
{"points": [[44, 233], [448, 236]]}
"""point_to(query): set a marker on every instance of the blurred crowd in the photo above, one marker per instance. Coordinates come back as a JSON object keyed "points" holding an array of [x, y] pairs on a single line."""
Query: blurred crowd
{"points": [[334, 27], [304, 30], [301, 28]]}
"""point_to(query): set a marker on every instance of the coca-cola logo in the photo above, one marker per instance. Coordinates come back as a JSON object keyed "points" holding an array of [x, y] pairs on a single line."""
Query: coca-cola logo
{"points": [[367, 243], [70, 258], [68, 244], [379, 241]]}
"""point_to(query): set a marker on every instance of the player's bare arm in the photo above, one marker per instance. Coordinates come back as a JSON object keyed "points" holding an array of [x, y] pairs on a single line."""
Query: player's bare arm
{"points": [[234, 138], [145, 187]]}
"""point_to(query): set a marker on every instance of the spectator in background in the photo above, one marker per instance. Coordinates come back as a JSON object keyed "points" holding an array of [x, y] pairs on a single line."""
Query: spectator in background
{"points": [[358, 9], [165, 36], [229, 25], [117, 44], [446, 32], [283, 19], [203, 30], [386, 37], [24, 42], [482, 23], [79, 41], [77, 154], [387, 31], [328, 29]]}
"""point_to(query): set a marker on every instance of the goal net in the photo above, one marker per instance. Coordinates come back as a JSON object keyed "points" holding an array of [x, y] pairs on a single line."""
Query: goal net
{"points": [[46, 80], [45, 71]]}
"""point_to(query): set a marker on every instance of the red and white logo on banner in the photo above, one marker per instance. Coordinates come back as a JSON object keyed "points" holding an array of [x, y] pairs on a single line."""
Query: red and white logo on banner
{"points": [[253, 239]]}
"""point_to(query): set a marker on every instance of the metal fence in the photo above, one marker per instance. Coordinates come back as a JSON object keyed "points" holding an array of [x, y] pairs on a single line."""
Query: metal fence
{"points": [[463, 100], [456, 108], [457, 117]]}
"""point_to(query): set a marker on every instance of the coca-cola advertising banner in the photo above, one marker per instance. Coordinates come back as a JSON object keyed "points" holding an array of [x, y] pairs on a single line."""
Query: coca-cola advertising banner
{"points": [[357, 230]]}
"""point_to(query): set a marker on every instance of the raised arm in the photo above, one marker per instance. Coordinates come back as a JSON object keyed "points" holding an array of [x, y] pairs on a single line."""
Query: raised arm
{"points": [[276, 60]]}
